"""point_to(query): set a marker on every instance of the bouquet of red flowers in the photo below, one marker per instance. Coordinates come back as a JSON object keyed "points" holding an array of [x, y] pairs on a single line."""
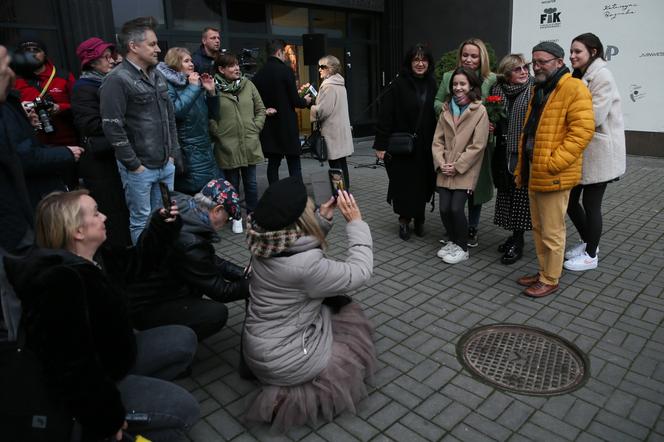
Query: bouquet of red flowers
{"points": [[495, 108]]}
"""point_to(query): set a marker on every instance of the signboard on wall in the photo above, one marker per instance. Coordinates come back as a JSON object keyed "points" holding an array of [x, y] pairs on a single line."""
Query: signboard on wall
{"points": [[633, 39]]}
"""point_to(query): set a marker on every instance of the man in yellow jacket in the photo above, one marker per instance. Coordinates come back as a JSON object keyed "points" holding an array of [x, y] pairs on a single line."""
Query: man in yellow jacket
{"points": [[559, 125]]}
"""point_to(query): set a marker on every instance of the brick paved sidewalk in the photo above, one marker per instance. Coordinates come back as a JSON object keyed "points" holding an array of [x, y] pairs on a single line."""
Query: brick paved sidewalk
{"points": [[420, 306]]}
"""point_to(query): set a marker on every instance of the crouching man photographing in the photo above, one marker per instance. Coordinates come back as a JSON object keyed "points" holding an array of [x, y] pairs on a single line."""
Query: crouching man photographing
{"points": [[173, 292]]}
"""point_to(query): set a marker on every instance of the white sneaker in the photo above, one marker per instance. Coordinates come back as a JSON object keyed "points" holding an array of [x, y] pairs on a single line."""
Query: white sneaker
{"points": [[445, 250], [456, 255], [236, 225], [581, 263], [577, 250]]}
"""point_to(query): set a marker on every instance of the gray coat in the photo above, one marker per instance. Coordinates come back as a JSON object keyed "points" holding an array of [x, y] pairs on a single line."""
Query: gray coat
{"points": [[604, 159], [138, 117], [287, 335]]}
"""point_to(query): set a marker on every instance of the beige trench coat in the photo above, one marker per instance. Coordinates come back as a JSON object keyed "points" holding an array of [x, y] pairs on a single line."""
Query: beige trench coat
{"points": [[331, 110]]}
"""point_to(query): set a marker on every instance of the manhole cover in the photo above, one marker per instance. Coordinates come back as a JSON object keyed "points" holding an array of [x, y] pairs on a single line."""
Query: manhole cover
{"points": [[523, 359]]}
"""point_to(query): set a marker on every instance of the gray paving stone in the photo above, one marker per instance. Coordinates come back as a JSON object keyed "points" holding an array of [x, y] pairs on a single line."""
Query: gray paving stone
{"points": [[432, 405], [581, 414], [399, 432], [451, 415], [621, 424], [423, 427], [486, 426], [356, 426], [645, 413], [469, 434], [516, 414], [334, 433], [385, 417]]}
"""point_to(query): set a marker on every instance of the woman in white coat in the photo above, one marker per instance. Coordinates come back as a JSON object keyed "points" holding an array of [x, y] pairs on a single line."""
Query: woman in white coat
{"points": [[604, 158], [331, 112]]}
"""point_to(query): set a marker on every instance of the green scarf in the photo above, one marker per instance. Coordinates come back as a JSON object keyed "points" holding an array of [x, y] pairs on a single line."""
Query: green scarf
{"points": [[223, 85]]}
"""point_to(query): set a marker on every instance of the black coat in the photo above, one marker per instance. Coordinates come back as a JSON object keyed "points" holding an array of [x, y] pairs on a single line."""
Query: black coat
{"points": [[43, 166], [276, 84], [16, 220], [412, 178], [76, 321], [97, 166], [190, 268]]}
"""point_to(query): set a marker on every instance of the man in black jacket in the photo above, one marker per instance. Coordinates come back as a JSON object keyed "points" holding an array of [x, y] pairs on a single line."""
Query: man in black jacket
{"points": [[280, 136], [210, 47], [173, 292]]}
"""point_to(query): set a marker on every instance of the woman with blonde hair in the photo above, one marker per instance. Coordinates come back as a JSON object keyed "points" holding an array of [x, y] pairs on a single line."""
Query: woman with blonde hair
{"points": [[195, 101], [308, 344], [472, 54], [331, 112], [102, 373]]}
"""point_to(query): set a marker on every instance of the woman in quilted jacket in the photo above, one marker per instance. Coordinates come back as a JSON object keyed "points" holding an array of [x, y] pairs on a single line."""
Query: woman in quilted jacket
{"points": [[195, 101]]}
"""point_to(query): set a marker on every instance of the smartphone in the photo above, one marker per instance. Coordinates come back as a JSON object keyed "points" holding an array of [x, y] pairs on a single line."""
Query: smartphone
{"points": [[336, 177], [165, 196]]}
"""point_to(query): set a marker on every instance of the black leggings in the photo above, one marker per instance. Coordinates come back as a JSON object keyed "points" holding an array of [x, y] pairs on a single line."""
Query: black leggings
{"points": [[452, 203], [587, 218]]}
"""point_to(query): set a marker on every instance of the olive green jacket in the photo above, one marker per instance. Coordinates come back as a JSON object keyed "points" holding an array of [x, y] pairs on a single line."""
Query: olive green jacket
{"points": [[235, 133]]}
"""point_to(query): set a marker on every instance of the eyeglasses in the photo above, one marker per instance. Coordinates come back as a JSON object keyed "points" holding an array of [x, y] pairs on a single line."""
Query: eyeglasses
{"points": [[322, 66], [543, 62], [420, 61], [522, 68]]}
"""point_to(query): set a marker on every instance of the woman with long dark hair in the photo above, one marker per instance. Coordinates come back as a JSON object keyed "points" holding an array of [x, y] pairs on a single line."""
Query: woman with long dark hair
{"points": [[408, 107], [603, 159]]}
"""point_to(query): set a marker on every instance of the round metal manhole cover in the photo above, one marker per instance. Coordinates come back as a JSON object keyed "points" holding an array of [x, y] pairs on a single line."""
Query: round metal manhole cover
{"points": [[523, 359]]}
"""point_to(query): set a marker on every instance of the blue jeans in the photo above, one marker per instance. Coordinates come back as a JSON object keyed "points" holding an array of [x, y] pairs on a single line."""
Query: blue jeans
{"points": [[274, 161], [248, 181], [142, 194], [168, 410]]}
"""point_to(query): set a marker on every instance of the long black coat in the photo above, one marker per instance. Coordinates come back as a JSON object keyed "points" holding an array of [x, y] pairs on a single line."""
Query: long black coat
{"points": [[412, 178], [276, 84], [97, 166]]}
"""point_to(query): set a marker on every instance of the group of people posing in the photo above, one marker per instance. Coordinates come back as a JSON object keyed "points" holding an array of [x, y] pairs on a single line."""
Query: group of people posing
{"points": [[549, 140]]}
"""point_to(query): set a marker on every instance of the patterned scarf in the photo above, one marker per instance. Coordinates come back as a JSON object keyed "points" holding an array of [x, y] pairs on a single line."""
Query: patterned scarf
{"points": [[517, 97], [93, 75], [265, 244], [223, 85]]}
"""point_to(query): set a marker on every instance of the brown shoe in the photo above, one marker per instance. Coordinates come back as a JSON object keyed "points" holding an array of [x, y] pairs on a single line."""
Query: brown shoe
{"points": [[528, 280], [540, 290]]}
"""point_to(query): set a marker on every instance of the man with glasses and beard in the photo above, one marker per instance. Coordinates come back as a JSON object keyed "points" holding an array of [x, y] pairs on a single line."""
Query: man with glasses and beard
{"points": [[559, 125]]}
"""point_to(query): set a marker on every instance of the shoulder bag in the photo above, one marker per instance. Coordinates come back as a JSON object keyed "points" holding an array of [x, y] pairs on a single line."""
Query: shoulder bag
{"points": [[403, 143], [315, 143]]}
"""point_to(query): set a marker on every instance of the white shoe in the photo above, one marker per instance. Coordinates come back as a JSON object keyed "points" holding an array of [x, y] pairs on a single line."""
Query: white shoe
{"points": [[456, 255], [581, 263], [445, 250], [577, 250], [236, 226]]}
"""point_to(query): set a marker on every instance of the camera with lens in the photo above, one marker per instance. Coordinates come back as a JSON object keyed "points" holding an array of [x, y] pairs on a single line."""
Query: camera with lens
{"points": [[247, 59], [42, 106]]}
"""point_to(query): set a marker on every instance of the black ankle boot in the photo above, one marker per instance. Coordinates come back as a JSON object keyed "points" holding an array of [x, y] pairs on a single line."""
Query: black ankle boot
{"points": [[418, 228], [512, 254], [506, 245], [404, 231]]}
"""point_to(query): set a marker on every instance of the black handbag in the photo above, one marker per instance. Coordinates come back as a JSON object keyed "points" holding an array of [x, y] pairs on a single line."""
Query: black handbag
{"points": [[403, 143], [315, 144]]}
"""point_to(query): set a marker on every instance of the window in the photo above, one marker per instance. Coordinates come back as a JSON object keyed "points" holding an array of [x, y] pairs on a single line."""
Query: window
{"points": [[125, 10], [246, 17], [35, 12], [287, 20], [331, 23], [194, 15]]}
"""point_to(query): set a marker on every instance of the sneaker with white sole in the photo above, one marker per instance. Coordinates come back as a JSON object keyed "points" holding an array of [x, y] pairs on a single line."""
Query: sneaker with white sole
{"points": [[577, 250], [456, 255], [445, 250], [236, 226], [581, 262]]}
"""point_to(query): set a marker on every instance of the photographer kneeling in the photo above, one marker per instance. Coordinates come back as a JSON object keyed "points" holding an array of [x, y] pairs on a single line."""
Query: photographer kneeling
{"points": [[172, 293], [76, 321]]}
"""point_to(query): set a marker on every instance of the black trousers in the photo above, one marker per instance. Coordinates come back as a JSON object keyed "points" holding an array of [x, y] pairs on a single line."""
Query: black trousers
{"points": [[203, 316], [452, 203], [587, 218], [340, 163]]}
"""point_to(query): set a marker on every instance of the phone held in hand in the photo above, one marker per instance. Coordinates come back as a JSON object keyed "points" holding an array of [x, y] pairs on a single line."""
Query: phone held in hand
{"points": [[165, 196], [336, 177]]}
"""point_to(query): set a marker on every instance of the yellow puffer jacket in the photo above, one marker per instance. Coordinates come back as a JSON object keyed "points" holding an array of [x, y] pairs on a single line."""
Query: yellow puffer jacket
{"points": [[563, 132]]}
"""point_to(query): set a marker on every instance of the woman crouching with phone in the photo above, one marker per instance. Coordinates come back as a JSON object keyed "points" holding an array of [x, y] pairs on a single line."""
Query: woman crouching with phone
{"points": [[309, 345], [458, 146]]}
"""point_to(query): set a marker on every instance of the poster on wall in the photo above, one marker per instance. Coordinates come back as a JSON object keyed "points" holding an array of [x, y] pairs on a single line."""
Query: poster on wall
{"points": [[633, 38]]}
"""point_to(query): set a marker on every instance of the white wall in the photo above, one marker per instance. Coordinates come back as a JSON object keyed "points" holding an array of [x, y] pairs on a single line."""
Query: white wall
{"points": [[632, 32]]}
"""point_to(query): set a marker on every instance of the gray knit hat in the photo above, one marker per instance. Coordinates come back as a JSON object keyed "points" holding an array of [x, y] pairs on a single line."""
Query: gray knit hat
{"points": [[550, 47]]}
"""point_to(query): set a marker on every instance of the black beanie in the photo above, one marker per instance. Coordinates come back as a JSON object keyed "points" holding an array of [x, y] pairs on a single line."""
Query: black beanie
{"points": [[281, 204], [33, 42]]}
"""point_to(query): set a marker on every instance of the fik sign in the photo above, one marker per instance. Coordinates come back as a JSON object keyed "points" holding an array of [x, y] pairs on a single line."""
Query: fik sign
{"points": [[550, 18]]}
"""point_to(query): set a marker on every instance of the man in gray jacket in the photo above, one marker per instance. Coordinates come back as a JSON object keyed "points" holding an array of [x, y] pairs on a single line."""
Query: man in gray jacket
{"points": [[139, 121]]}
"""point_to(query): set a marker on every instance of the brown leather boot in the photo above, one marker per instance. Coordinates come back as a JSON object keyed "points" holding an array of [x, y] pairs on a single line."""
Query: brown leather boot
{"points": [[540, 290], [528, 280]]}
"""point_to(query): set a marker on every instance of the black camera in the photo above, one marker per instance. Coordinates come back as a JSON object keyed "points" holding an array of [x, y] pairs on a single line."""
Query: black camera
{"points": [[23, 63], [43, 106], [247, 59]]}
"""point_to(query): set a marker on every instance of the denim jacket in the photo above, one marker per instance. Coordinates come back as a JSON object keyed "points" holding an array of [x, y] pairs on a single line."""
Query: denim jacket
{"points": [[138, 117]]}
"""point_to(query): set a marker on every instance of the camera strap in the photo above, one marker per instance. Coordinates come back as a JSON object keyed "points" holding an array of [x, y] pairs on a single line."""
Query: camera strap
{"points": [[48, 83]]}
